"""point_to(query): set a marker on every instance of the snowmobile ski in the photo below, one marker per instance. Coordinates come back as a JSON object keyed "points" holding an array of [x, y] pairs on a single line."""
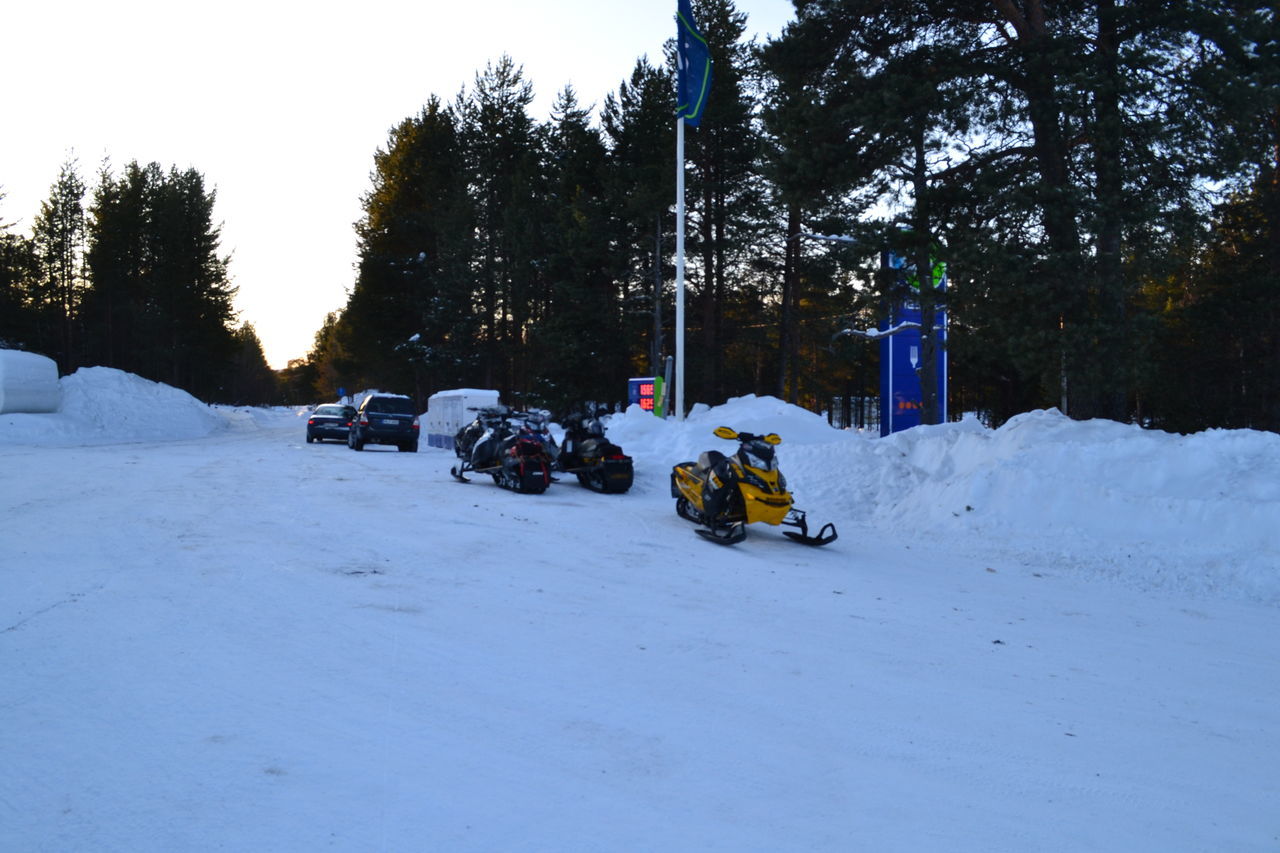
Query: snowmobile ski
{"points": [[730, 535], [825, 536]]}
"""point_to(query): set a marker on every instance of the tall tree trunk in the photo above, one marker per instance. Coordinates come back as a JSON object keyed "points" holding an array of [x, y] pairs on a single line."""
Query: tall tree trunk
{"points": [[1063, 269], [1108, 399]]}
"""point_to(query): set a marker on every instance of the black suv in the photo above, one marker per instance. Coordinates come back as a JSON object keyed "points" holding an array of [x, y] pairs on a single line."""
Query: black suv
{"points": [[384, 419]]}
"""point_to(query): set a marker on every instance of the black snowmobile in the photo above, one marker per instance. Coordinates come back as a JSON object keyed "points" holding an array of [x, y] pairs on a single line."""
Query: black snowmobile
{"points": [[598, 464], [515, 448]]}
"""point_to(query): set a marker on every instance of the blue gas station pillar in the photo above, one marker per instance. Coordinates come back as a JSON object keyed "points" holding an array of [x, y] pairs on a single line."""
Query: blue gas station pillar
{"points": [[901, 394]]}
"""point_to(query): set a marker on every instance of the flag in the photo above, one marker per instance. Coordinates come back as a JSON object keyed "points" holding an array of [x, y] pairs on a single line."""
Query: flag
{"points": [[693, 67]]}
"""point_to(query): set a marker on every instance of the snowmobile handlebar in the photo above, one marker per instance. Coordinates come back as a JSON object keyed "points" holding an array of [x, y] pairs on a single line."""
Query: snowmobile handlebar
{"points": [[745, 437]]}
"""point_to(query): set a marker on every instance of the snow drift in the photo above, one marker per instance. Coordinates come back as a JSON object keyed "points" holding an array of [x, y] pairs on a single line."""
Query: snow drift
{"points": [[1152, 509], [1158, 509]]}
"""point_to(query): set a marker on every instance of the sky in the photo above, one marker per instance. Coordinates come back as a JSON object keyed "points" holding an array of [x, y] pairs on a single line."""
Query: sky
{"points": [[1052, 637], [281, 107]]}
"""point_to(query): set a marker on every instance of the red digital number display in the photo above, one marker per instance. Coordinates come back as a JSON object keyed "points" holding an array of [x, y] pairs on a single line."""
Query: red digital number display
{"points": [[645, 392]]}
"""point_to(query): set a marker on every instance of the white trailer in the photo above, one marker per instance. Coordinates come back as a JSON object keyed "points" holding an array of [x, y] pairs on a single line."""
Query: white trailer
{"points": [[28, 383], [450, 411]]}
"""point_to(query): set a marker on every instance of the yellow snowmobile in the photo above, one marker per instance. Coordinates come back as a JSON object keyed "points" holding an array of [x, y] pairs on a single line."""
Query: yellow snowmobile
{"points": [[726, 493]]}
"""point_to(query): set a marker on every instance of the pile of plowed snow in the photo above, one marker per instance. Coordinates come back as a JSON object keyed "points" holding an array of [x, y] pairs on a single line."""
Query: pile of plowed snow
{"points": [[1198, 511], [102, 405]]}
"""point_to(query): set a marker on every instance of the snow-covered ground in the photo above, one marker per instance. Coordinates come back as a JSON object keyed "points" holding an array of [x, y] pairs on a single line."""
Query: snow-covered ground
{"points": [[1054, 636]]}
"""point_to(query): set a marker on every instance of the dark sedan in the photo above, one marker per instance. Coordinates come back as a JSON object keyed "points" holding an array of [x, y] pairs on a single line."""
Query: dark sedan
{"points": [[330, 421]]}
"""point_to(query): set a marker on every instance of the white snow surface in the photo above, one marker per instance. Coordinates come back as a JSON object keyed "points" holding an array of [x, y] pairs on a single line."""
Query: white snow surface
{"points": [[1053, 636]]}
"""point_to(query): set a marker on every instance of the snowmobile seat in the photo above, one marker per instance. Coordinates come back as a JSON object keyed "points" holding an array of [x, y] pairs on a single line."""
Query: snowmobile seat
{"points": [[709, 459]]}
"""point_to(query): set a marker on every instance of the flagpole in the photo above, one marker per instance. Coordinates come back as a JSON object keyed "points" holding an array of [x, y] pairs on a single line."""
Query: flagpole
{"points": [[679, 330]]}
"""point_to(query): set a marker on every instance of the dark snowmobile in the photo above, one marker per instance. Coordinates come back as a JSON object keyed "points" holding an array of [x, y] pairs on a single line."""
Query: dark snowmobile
{"points": [[598, 464], [515, 448], [726, 493]]}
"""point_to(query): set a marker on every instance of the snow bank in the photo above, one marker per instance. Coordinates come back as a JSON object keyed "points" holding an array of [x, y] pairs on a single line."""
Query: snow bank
{"points": [[102, 405], [1155, 509], [1195, 512], [667, 442], [1151, 508]]}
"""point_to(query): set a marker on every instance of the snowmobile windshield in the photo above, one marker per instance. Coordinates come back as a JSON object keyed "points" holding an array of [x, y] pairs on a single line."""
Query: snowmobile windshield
{"points": [[760, 455]]}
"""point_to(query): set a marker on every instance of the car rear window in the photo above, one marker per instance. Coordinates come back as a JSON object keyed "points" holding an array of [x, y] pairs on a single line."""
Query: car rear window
{"points": [[391, 405], [332, 411]]}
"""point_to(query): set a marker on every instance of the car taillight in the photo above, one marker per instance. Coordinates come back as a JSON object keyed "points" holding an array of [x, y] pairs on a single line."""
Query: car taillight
{"points": [[415, 422], [348, 423], [310, 421], [364, 422]]}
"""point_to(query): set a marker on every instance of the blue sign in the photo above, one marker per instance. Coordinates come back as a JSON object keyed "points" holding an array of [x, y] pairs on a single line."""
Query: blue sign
{"points": [[901, 394]]}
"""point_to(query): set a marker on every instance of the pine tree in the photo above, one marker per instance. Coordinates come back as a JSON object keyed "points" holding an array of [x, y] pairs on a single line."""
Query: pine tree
{"points": [[330, 364], [584, 354], [18, 273], [414, 279], [192, 288], [252, 381], [1219, 333], [119, 262], [159, 303], [879, 115], [1064, 146], [725, 204], [503, 156], [640, 181], [59, 240]]}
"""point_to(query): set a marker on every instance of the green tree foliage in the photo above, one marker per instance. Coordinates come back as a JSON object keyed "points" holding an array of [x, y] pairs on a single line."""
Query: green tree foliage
{"points": [[297, 382], [535, 258], [1054, 152], [1099, 176], [332, 366], [159, 303], [640, 182], [877, 116], [1057, 157], [1214, 361], [136, 282], [502, 153], [251, 381], [18, 270], [726, 214], [583, 352], [415, 274], [59, 241]]}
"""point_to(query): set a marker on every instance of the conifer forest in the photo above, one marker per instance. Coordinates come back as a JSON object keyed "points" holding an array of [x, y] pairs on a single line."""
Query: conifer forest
{"points": [[1101, 179]]}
